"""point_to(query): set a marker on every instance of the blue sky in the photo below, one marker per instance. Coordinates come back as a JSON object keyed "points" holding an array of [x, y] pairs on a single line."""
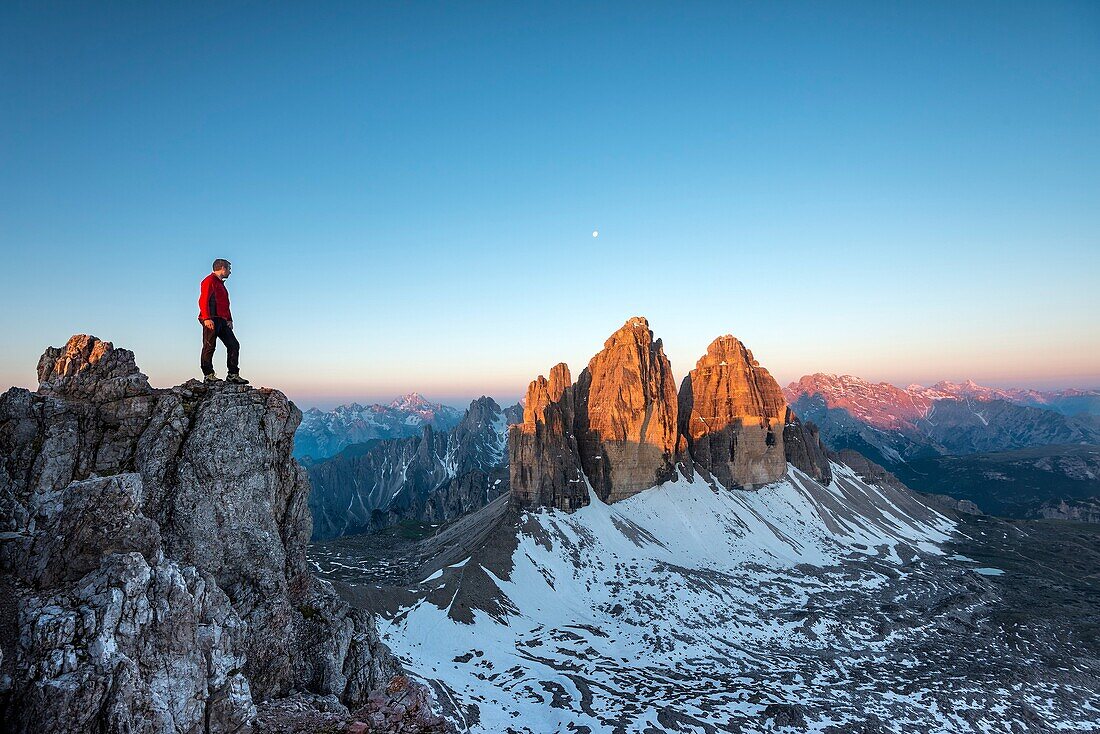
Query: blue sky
{"points": [[906, 192]]}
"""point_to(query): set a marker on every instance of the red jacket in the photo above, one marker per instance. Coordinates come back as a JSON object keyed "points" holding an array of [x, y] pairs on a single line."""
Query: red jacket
{"points": [[214, 299]]}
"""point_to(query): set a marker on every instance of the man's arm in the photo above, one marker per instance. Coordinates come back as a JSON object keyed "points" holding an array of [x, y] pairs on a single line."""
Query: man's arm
{"points": [[204, 304]]}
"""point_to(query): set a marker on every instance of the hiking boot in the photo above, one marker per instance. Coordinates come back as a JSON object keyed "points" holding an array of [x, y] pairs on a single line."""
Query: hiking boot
{"points": [[236, 380], [211, 379]]}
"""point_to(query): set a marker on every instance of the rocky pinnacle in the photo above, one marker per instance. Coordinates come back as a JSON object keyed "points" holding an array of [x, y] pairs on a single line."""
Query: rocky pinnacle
{"points": [[622, 428]]}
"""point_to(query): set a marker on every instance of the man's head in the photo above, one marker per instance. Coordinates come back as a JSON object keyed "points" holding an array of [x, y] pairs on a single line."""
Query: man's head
{"points": [[222, 268]]}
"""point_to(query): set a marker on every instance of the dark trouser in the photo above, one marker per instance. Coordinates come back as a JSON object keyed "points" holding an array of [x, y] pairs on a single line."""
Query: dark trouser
{"points": [[210, 338]]}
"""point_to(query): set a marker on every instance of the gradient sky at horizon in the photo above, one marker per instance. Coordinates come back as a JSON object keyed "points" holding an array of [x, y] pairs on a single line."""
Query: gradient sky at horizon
{"points": [[907, 192]]}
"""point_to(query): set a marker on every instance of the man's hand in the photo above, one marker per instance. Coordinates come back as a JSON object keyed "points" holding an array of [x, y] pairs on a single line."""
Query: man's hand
{"points": [[229, 324], [209, 323]]}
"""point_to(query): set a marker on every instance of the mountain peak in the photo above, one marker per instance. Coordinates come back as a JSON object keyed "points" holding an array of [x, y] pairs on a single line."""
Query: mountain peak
{"points": [[732, 414], [89, 367], [626, 414], [413, 401], [635, 331]]}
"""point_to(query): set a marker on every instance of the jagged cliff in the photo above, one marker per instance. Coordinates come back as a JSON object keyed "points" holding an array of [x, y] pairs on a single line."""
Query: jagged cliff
{"points": [[614, 429], [152, 556], [543, 460], [732, 414], [434, 477], [622, 428], [625, 414]]}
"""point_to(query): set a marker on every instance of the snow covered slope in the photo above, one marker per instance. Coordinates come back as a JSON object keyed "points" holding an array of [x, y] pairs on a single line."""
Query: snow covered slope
{"points": [[693, 608], [668, 609]]}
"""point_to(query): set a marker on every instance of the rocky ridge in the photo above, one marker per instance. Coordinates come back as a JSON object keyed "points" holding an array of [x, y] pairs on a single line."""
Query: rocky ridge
{"points": [[152, 557], [1071, 402], [732, 414], [893, 425], [544, 462]]}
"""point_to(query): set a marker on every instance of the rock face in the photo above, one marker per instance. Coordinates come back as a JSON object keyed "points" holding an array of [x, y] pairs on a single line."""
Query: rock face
{"points": [[433, 477], [1084, 510], [614, 430], [322, 434], [543, 459], [625, 414], [733, 415], [152, 556], [804, 449]]}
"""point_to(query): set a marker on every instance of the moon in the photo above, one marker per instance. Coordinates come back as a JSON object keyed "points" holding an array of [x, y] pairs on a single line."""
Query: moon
{"points": [[595, 233]]}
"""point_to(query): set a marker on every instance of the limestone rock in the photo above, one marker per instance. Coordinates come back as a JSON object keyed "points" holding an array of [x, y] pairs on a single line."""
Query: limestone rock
{"points": [[152, 556], [543, 460], [622, 428], [626, 414], [89, 368], [733, 416], [803, 448]]}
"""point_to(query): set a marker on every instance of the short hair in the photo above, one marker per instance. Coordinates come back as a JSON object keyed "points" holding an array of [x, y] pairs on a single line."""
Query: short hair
{"points": [[219, 264]]}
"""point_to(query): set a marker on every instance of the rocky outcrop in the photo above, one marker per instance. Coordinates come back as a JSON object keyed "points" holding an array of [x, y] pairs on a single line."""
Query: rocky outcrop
{"points": [[626, 414], [947, 503], [152, 556], [614, 429], [804, 450], [433, 477], [403, 707], [732, 414], [543, 458], [1076, 510]]}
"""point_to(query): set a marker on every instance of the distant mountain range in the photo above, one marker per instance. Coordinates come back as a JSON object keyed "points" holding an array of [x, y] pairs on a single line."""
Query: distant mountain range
{"points": [[326, 433], [1067, 402], [950, 438], [432, 477]]}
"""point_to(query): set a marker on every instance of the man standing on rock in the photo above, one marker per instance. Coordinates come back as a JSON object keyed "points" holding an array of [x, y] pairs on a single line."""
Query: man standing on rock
{"points": [[217, 323]]}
